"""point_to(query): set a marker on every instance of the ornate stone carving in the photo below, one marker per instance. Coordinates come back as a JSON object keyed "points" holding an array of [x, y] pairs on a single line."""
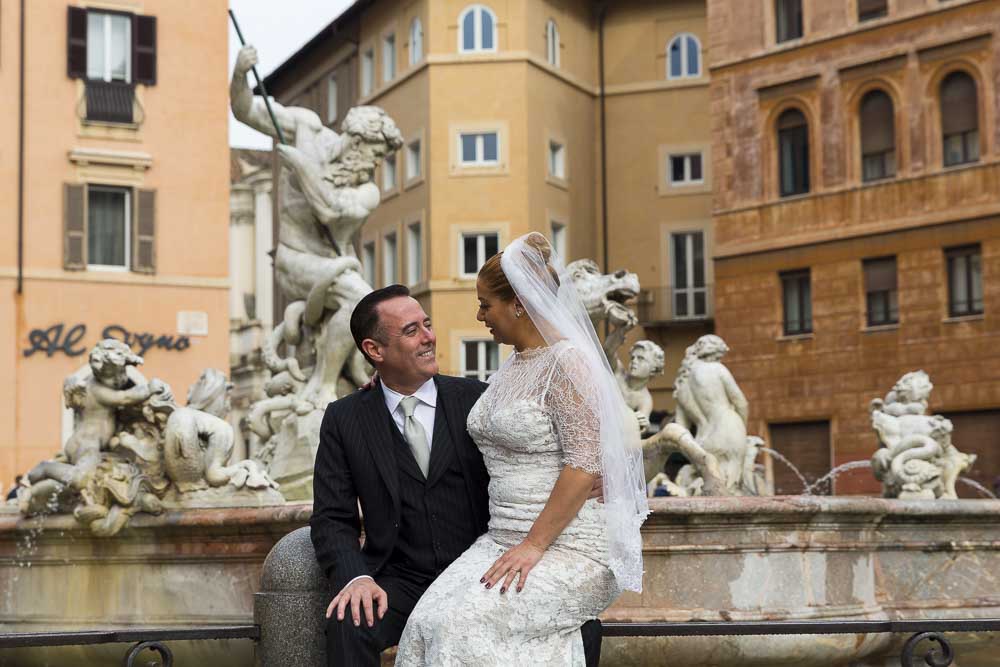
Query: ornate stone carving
{"points": [[327, 193], [711, 405], [916, 458], [605, 296], [134, 450]]}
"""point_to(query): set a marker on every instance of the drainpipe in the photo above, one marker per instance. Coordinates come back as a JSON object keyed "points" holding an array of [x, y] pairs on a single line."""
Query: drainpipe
{"points": [[602, 11], [20, 163]]}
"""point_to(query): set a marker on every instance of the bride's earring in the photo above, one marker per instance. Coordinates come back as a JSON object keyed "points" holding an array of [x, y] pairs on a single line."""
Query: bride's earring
{"points": [[517, 312]]}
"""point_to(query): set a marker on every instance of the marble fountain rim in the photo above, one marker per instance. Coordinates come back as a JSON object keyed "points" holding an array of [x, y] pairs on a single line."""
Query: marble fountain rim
{"points": [[781, 509]]}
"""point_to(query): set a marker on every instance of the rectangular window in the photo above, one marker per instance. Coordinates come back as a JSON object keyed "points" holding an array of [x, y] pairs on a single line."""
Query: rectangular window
{"points": [[796, 302], [793, 144], [689, 290], [479, 149], [965, 280], [389, 173], [881, 294], [559, 240], [368, 262], [331, 99], [961, 147], [787, 19], [367, 72], [109, 47], [557, 160], [872, 9], [475, 249], [108, 227], [413, 160], [389, 58], [480, 359], [685, 169], [390, 272], [414, 254], [807, 446]]}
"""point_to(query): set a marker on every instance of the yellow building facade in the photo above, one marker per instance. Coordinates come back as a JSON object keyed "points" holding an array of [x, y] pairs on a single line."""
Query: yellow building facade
{"points": [[510, 128], [114, 183]]}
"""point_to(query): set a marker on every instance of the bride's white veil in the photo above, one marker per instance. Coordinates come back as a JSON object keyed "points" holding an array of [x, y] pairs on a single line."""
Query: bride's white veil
{"points": [[558, 312]]}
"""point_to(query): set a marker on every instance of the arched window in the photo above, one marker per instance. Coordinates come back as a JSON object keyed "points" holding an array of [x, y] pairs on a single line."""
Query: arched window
{"points": [[684, 57], [878, 136], [793, 153], [477, 29], [959, 119], [416, 41], [552, 43]]}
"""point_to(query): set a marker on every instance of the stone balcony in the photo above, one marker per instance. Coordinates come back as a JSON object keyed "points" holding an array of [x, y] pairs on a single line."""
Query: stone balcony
{"points": [[959, 193]]}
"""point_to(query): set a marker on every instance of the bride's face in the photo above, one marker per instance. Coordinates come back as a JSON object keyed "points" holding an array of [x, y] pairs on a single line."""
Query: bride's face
{"points": [[498, 315]]}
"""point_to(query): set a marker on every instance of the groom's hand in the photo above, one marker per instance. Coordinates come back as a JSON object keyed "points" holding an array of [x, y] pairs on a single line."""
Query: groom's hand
{"points": [[597, 490], [360, 593]]}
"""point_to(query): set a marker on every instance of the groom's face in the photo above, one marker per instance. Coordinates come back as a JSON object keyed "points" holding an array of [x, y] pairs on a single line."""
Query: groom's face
{"points": [[408, 353]]}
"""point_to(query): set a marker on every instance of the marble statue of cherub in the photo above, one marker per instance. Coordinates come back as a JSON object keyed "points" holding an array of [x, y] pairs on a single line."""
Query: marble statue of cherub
{"points": [[95, 397], [646, 360]]}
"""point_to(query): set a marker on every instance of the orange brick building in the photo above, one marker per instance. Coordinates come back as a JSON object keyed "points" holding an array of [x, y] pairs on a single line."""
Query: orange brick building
{"points": [[856, 154]]}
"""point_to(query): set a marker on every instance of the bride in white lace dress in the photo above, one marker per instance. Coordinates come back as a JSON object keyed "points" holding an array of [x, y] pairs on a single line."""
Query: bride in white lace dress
{"points": [[550, 423]]}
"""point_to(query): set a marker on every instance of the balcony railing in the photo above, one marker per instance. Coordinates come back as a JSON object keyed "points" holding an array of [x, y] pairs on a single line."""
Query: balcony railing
{"points": [[675, 305], [110, 102]]}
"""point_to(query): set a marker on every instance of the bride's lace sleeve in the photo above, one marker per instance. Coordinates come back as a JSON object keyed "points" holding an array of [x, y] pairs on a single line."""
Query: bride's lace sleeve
{"points": [[571, 402]]}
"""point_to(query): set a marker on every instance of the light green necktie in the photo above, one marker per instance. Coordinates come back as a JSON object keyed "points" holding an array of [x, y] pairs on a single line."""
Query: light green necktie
{"points": [[415, 434]]}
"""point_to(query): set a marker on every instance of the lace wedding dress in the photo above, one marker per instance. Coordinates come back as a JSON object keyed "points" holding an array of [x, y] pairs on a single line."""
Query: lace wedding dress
{"points": [[531, 421]]}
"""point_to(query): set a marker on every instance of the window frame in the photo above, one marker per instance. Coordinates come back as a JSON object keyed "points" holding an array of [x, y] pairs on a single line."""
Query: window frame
{"points": [[481, 255], [685, 65], [106, 28], [559, 236], [889, 158], [128, 206], [871, 16], [691, 291], [552, 43], [966, 251], [482, 346], [414, 253], [805, 181], [416, 54], [886, 312], [414, 175], [367, 65], [368, 262], [390, 238], [688, 168], [801, 22], [800, 277], [332, 97], [480, 160], [477, 28], [966, 135], [390, 166], [557, 160], [389, 57]]}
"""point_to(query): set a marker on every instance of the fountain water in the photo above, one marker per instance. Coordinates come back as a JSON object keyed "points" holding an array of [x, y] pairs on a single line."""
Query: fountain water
{"points": [[978, 487], [791, 466], [829, 477]]}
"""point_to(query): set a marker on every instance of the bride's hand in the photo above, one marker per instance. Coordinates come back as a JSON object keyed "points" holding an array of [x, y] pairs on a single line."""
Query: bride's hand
{"points": [[518, 561]]}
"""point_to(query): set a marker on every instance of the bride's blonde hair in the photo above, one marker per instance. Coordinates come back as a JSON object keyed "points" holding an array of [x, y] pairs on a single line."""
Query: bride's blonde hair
{"points": [[493, 276]]}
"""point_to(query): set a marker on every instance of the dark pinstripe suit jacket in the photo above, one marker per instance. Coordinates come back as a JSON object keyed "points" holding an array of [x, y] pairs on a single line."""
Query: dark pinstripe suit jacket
{"points": [[356, 462]]}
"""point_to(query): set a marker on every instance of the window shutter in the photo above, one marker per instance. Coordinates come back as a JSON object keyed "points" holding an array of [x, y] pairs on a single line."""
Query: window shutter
{"points": [[76, 43], [144, 49], [959, 106], [74, 227], [877, 123], [144, 232]]}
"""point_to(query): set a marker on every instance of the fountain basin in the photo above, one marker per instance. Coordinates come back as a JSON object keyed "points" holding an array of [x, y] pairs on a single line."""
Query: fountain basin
{"points": [[183, 568], [794, 557]]}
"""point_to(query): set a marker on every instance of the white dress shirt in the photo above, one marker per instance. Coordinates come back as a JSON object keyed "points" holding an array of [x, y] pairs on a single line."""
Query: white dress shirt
{"points": [[423, 413]]}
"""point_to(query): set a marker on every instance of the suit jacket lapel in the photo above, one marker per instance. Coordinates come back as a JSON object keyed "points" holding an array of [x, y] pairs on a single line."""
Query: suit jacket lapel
{"points": [[375, 420], [441, 444]]}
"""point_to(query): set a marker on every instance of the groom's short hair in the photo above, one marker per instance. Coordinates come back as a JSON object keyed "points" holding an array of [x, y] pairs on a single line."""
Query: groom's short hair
{"points": [[364, 319]]}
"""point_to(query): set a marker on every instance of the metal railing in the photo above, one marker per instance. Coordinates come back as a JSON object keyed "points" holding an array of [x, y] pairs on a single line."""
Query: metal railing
{"points": [[110, 102], [675, 305], [929, 630], [148, 639]]}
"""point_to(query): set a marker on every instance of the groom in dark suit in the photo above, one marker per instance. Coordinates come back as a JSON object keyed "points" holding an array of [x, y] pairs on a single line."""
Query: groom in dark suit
{"points": [[401, 450]]}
